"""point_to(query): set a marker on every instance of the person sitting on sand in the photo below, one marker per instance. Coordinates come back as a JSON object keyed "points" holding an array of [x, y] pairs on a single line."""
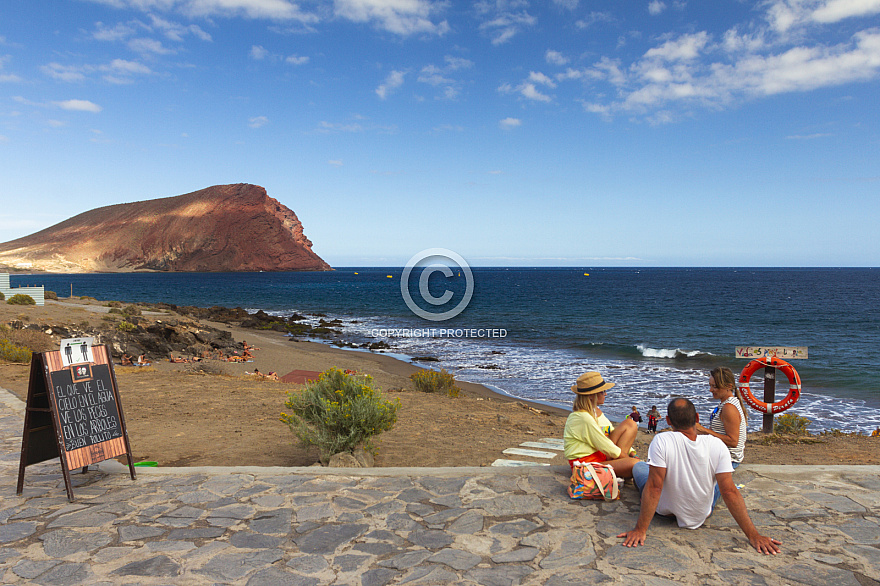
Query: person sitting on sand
{"points": [[679, 478], [589, 435], [126, 360], [171, 358], [142, 360], [272, 375]]}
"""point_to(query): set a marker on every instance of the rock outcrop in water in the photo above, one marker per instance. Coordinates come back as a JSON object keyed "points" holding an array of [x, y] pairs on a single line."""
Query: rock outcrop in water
{"points": [[221, 228]]}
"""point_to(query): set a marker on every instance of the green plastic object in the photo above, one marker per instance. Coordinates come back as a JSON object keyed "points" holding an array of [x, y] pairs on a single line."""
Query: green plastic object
{"points": [[147, 464]]}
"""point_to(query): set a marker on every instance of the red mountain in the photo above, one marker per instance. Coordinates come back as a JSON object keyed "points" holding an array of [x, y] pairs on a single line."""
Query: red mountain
{"points": [[221, 228]]}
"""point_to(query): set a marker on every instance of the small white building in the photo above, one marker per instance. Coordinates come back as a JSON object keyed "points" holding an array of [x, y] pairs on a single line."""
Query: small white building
{"points": [[35, 292]]}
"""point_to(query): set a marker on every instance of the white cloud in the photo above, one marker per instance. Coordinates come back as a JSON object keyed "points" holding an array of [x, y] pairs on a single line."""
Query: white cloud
{"points": [[118, 71], [803, 68], [329, 127], [296, 59], [528, 89], [456, 63], [123, 66], [784, 15], [538, 77], [402, 17], [592, 18], [148, 46], [433, 75], [257, 9], [555, 57], [79, 106], [443, 76], [3, 60], [119, 32], [258, 52], [655, 7], [504, 20], [684, 48], [68, 73], [335, 162], [509, 123], [567, 4], [673, 73], [270, 9], [836, 10], [258, 121], [808, 136], [392, 82]]}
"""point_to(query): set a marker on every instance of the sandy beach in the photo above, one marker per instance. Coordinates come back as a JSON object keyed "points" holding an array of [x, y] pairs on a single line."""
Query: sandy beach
{"points": [[181, 418]]}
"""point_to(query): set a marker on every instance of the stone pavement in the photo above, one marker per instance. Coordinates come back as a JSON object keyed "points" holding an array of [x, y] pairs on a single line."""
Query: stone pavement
{"points": [[495, 526]]}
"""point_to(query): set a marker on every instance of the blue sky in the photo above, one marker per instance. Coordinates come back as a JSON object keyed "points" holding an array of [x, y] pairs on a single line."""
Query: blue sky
{"points": [[560, 132]]}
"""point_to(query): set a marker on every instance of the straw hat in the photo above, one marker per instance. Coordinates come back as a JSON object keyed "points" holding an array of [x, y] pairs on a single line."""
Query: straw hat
{"points": [[590, 383]]}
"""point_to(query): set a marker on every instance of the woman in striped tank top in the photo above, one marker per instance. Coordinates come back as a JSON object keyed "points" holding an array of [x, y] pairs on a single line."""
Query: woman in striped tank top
{"points": [[728, 420]]}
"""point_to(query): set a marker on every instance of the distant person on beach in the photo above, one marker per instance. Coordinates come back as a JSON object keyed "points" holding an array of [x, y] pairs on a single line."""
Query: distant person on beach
{"points": [[653, 418], [126, 360], [635, 415], [679, 479], [728, 420], [589, 435]]}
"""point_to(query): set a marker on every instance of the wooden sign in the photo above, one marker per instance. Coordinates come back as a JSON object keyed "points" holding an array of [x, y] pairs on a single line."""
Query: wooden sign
{"points": [[786, 353], [73, 412]]}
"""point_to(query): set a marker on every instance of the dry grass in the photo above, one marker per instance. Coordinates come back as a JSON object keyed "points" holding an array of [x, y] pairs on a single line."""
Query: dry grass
{"points": [[33, 340]]}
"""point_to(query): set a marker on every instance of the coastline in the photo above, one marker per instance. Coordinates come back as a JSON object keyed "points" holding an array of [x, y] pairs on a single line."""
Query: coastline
{"points": [[182, 418]]}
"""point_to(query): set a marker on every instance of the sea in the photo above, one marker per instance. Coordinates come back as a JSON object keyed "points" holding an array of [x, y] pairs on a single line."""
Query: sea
{"points": [[529, 332]]}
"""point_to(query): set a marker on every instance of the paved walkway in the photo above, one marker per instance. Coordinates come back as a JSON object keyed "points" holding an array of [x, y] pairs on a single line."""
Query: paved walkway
{"points": [[495, 526]]}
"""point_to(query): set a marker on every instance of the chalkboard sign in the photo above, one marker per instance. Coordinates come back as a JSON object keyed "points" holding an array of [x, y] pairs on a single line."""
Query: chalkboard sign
{"points": [[86, 406], [73, 412]]}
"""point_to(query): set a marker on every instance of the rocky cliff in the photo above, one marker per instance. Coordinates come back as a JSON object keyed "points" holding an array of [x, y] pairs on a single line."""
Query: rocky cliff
{"points": [[221, 228]]}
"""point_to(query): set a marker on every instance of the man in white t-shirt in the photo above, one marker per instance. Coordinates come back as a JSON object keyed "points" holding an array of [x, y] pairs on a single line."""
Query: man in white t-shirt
{"points": [[680, 481]]}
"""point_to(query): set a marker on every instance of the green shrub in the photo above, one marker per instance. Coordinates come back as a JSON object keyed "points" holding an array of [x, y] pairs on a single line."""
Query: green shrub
{"points": [[114, 310], [124, 326], [2, 296], [791, 424], [50, 295], [339, 412], [431, 381], [131, 310], [112, 304], [21, 299], [10, 352]]}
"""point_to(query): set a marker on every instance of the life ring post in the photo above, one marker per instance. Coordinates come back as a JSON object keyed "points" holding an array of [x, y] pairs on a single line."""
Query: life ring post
{"points": [[769, 396], [769, 406]]}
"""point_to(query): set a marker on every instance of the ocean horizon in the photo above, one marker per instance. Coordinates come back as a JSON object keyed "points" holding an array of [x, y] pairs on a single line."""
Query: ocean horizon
{"points": [[530, 331]]}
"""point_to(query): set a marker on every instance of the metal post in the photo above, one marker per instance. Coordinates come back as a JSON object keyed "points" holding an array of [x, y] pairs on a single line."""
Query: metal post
{"points": [[769, 396]]}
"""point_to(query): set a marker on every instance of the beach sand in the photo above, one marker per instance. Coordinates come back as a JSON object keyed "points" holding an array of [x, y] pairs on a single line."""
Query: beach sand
{"points": [[179, 418]]}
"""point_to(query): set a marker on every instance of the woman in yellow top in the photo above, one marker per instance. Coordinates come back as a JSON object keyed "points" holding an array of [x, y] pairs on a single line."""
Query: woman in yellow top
{"points": [[589, 435]]}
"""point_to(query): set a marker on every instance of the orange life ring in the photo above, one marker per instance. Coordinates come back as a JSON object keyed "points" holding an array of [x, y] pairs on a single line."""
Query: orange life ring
{"points": [[794, 385]]}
